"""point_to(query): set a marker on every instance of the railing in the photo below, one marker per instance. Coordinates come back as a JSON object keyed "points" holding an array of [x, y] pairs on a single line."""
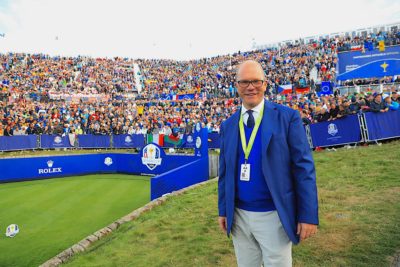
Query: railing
{"points": [[353, 129], [387, 87], [136, 141]]}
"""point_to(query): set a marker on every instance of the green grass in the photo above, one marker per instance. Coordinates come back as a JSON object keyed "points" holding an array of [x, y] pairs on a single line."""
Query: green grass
{"points": [[359, 193], [54, 214]]}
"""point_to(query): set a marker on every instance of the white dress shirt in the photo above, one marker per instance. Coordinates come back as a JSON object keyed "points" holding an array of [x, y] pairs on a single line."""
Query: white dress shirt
{"points": [[256, 112]]}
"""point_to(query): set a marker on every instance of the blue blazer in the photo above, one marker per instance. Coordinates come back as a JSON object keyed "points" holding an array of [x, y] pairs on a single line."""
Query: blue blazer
{"points": [[287, 165]]}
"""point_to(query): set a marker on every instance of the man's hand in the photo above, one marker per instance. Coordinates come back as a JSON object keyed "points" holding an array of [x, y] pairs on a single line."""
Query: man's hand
{"points": [[306, 230], [222, 224]]}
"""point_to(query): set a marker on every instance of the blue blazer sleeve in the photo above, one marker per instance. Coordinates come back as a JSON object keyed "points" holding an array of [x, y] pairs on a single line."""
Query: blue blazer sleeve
{"points": [[303, 171], [221, 178]]}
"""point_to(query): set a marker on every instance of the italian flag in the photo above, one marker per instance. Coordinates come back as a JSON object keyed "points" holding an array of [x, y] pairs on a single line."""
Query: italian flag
{"points": [[155, 139]]}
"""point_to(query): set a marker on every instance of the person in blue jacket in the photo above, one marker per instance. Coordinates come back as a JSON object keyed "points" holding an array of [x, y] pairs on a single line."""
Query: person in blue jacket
{"points": [[267, 193], [392, 105]]}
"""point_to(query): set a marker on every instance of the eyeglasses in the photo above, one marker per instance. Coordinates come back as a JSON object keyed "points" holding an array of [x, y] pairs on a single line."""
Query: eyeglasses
{"points": [[246, 83]]}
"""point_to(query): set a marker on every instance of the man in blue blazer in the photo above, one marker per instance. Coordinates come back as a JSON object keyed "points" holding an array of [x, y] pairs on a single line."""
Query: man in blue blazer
{"points": [[267, 194]]}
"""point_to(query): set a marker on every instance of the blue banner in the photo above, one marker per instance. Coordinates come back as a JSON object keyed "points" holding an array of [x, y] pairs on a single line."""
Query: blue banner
{"points": [[17, 169], [177, 97], [94, 141], [152, 160], [337, 132], [186, 96], [18, 142], [369, 64], [189, 141], [213, 140], [129, 141], [383, 125], [176, 179], [54, 141]]}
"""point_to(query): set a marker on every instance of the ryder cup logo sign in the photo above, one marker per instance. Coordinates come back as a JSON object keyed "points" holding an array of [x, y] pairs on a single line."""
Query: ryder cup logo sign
{"points": [[198, 127], [50, 168], [198, 142], [332, 129], [151, 156], [128, 139], [108, 161], [57, 140]]}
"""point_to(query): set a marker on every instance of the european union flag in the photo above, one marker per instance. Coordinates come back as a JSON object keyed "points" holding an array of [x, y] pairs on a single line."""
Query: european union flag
{"points": [[326, 89]]}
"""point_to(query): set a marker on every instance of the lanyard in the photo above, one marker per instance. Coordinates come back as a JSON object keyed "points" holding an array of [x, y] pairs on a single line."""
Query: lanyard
{"points": [[247, 147]]}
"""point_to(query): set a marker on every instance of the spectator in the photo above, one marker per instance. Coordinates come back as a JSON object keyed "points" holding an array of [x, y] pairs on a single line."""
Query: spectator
{"points": [[305, 117], [377, 105], [323, 115], [333, 111], [354, 105], [8, 131], [343, 111], [392, 105], [31, 129]]}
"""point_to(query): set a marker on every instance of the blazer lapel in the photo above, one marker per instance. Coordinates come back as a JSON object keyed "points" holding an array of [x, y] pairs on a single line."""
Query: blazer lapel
{"points": [[267, 125], [232, 134]]}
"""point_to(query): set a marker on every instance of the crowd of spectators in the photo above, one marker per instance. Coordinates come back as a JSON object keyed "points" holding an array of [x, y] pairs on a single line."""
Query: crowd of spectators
{"points": [[290, 64], [333, 107], [369, 42], [82, 95], [171, 117]]}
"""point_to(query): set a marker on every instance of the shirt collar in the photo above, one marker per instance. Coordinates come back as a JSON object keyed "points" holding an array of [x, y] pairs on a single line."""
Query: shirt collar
{"points": [[256, 109]]}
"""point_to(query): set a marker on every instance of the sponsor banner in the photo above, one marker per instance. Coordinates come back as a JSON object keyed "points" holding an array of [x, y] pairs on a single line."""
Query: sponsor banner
{"points": [[18, 142], [129, 141], [213, 140], [383, 125], [340, 131], [190, 141], [54, 141], [369, 64], [76, 98], [15, 169], [175, 171], [184, 176], [94, 141]]}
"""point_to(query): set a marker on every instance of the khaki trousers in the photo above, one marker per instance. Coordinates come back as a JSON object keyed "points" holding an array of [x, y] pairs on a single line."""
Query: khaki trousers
{"points": [[259, 237]]}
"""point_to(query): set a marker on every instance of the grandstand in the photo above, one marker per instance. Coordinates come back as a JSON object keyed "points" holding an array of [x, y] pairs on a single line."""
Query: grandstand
{"points": [[60, 103], [62, 95]]}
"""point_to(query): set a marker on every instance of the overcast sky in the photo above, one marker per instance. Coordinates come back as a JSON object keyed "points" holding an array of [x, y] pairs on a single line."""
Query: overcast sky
{"points": [[176, 29]]}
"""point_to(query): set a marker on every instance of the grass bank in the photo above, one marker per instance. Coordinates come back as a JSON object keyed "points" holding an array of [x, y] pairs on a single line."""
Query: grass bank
{"points": [[359, 195]]}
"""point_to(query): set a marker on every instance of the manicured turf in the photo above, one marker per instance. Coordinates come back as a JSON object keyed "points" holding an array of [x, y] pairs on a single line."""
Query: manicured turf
{"points": [[359, 193], [54, 214]]}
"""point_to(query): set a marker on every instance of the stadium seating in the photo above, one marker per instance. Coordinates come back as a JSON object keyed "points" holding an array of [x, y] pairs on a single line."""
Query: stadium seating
{"points": [[40, 94]]}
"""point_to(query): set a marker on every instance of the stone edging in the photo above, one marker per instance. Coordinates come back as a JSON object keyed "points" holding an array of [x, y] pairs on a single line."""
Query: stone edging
{"points": [[396, 261], [85, 243]]}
